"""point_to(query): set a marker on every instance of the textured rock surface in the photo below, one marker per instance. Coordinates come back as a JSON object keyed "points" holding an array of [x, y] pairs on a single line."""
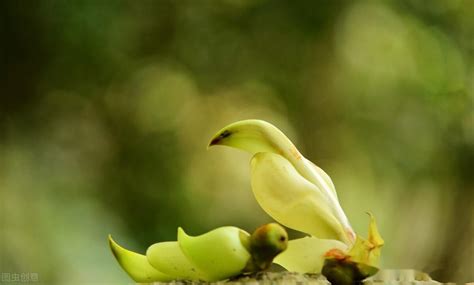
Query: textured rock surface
{"points": [[388, 276], [401, 276], [267, 278]]}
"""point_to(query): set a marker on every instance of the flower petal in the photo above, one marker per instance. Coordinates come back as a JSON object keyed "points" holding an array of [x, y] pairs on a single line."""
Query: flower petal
{"points": [[291, 199], [136, 265], [306, 255], [168, 258], [367, 251], [324, 176], [374, 236], [219, 253]]}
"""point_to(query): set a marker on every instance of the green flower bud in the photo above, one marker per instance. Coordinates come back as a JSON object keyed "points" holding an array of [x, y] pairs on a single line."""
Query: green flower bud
{"points": [[266, 242]]}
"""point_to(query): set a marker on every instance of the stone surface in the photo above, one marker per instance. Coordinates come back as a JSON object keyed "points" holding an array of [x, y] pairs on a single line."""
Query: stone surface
{"points": [[265, 278], [401, 276], [387, 276]]}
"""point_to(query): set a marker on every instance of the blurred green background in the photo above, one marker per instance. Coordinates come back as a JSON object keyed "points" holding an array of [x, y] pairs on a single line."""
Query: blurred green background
{"points": [[107, 107]]}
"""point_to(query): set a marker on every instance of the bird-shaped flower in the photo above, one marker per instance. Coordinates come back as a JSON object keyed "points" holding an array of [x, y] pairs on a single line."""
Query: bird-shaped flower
{"points": [[301, 196], [216, 255]]}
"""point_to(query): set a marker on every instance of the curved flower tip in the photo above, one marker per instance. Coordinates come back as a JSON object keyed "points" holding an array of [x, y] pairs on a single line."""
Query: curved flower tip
{"points": [[136, 265], [374, 236], [251, 136], [367, 251]]}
